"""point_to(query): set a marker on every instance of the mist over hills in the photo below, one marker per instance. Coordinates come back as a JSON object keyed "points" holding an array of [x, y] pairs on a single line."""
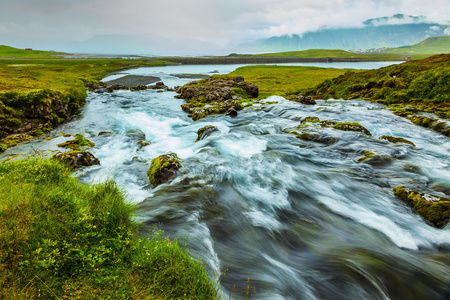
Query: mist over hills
{"points": [[398, 30]]}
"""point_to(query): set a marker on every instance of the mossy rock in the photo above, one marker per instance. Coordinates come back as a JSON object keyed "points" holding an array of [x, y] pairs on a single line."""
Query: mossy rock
{"points": [[163, 168], [375, 159], [310, 119], [78, 143], [434, 209], [136, 134], [422, 121], [327, 124], [396, 140], [104, 133], [142, 144], [205, 131], [316, 137], [349, 126], [77, 159]]}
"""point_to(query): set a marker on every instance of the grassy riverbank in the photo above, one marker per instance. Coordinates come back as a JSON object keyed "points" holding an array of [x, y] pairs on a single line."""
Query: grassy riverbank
{"points": [[39, 91], [423, 84], [62, 239]]}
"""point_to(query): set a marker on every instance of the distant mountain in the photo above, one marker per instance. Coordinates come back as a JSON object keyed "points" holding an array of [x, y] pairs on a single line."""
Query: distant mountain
{"points": [[432, 45], [395, 31]]}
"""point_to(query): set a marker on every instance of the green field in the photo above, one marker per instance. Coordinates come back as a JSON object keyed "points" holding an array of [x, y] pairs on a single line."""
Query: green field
{"points": [[432, 45], [279, 80]]}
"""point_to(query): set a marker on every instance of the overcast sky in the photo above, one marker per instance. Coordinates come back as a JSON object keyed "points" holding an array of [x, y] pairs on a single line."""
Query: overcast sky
{"points": [[217, 22]]}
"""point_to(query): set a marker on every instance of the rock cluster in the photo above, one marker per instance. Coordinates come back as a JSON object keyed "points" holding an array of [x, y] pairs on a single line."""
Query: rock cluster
{"points": [[215, 95]]}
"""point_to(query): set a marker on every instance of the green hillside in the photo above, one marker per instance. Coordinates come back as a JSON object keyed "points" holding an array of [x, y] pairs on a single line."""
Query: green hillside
{"points": [[10, 52], [432, 45], [424, 84]]}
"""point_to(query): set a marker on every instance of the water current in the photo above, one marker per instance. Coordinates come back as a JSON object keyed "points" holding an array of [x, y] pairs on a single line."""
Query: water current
{"points": [[302, 220]]}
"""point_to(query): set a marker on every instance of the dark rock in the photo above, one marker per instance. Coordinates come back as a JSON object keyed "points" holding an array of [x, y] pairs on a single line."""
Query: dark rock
{"points": [[77, 159], [238, 79], [232, 112]]}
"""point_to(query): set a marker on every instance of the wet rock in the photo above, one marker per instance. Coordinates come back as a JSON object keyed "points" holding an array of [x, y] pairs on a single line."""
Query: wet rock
{"points": [[78, 143], [375, 159], [142, 144], [232, 112], [163, 169], [347, 126], [396, 140], [434, 209], [77, 159], [104, 133], [310, 119], [205, 131], [432, 123], [305, 100], [135, 134], [316, 137]]}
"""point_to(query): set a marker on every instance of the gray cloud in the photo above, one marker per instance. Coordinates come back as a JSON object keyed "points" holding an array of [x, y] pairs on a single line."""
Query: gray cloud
{"points": [[213, 22]]}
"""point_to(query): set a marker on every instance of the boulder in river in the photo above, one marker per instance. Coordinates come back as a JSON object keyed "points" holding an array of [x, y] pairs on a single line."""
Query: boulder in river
{"points": [[163, 168], [434, 209], [205, 131], [215, 95], [77, 159], [351, 126]]}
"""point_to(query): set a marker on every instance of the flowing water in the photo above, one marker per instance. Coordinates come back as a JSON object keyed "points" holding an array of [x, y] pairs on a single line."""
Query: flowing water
{"points": [[302, 220]]}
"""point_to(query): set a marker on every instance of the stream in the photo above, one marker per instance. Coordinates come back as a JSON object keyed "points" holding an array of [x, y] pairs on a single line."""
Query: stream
{"points": [[300, 219]]}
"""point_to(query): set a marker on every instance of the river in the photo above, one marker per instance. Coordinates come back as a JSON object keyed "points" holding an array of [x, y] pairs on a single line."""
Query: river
{"points": [[302, 220]]}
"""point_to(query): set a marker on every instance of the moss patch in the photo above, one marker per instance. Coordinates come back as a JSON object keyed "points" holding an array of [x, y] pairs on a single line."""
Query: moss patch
{"points": [[434, 209]]}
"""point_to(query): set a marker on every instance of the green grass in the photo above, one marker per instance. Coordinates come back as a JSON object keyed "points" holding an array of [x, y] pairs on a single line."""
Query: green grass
{"points": [[326, 54], [61, 239], [432, 45], [279, 80], [10, 52]]}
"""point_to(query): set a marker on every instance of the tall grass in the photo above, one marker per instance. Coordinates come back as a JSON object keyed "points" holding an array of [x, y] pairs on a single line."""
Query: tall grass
{"points": [[61, 239]]}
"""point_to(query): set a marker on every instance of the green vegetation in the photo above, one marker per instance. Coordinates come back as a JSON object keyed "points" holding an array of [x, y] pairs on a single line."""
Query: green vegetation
{"points": [[432, 45], [10, 52], [424, 84], [327, 55], [279, 80], [434, 209], [61, 239]]}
